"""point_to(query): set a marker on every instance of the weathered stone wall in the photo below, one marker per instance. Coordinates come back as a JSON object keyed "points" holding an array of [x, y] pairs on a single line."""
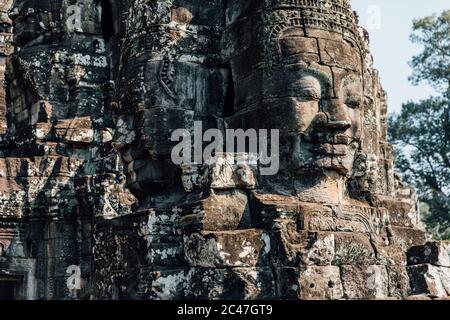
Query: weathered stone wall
{"points": [[429, 270], [94, 90], [299, 234], [58, 168], [5, 50]]}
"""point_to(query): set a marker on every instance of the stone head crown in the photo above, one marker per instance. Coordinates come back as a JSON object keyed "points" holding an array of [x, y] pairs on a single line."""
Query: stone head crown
{"points": [[328, 15]]}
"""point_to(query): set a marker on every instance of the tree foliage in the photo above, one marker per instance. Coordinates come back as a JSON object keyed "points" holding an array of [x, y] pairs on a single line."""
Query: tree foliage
{"points": [[421, 132], [433, 63]]}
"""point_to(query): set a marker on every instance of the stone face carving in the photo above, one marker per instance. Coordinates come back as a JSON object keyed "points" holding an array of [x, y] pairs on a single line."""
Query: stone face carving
{"points": [[169, 77], [58, 169], [96, 88]]}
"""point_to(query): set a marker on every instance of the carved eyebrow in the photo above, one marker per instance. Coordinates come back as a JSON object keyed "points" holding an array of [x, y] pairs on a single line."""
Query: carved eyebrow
{"points": [[309, 79], [324, 79], [310, 86], [350, 79]]}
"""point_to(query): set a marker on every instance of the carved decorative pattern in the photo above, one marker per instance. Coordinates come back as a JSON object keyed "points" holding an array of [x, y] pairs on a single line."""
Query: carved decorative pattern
{"points": [[166, 77], [333, 16], [6, 236], [373, 219]]}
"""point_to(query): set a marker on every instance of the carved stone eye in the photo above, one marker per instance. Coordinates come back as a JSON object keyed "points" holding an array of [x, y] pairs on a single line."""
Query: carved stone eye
{"points": [[353, 101], [351, 94], [308, 87]]}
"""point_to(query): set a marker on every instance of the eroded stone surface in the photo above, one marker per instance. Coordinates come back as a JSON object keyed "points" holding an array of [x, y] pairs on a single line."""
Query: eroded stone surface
{"points": [[435, 253], [431, 280], [365, 282], [89, 191]]}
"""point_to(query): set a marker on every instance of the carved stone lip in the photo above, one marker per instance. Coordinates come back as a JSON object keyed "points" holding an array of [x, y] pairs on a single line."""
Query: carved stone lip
{"points": [[329, 149], [327, 137], [326, 162]]}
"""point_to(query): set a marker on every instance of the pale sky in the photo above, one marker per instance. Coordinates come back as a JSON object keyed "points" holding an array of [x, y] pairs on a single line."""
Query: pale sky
{"points": [[390, 44]]}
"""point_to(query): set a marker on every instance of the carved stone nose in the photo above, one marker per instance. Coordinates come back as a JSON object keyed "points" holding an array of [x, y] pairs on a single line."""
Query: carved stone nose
{"points": [[338, 125], [338, 118]]}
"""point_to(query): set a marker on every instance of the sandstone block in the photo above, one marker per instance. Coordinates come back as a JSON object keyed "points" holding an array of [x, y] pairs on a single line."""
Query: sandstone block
{"points": [[167, 284], [365, 282], [236, 284], [221, 211], [311, 283], [408, 237], [291, 247], [398, 281], [315, 217], [435, 253], [321, 283], [242, 248], [353, 249], [430, 280], [390, 254]]}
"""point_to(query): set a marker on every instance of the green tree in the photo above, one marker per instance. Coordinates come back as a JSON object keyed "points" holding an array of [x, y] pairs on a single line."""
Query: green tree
{"points": [[421, 132], [433, 64]]}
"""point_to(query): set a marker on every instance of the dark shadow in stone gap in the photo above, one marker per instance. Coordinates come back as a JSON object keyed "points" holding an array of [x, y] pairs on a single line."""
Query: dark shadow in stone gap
{"points": [[228, 109], [107, 21]]}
